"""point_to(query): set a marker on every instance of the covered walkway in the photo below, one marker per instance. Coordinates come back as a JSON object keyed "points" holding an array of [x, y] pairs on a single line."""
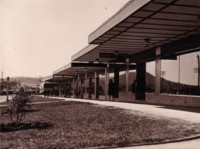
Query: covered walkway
{"points": [[140, 32], [144, 31]]}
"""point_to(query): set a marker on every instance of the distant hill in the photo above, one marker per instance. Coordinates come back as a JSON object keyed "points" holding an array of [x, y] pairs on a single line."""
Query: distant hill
{"points": [[27, 81], [132, 77], [166, 85]]}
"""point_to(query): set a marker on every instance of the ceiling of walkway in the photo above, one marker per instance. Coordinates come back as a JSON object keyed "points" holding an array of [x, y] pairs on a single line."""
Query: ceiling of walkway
{"points": [[76, 68], [55, 78], [79, 68], [143, 25]]}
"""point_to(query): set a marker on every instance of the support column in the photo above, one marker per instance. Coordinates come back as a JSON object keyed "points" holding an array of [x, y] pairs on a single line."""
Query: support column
{"points": [[78, 86], [96, 85], [127, 76], [63, 88], [85, 83], [116, 81], [81, 92], [90, 88], [59, 88], [140, 81], [198, 65], [73, 85], [157, 71], [106, 81]]}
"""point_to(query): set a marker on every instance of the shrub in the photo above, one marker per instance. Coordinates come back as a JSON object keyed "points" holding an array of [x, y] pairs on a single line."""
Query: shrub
{"points": [[18, 107]]}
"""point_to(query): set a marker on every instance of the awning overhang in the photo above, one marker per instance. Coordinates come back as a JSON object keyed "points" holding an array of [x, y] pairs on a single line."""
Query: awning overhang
{"points": [[143, 25], [47, 78], [56, 78], [80, 68], [76, 68]]}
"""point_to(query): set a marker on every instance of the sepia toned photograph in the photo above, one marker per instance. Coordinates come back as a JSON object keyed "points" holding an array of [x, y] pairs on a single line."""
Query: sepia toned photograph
{"points": [[99, 74]]}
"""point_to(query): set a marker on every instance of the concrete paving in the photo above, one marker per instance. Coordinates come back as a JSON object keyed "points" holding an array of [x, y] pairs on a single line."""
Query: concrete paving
{"points": [[189, 116], [194, 144], [163, 111], [3, 98]]}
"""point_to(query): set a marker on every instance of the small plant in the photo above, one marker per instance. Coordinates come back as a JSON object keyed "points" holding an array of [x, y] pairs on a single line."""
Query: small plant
{"points": [[18, 107]]}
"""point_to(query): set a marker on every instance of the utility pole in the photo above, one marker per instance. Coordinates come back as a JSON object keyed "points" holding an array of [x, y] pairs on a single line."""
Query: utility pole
{"points": [[7, 88], [1, 86]]}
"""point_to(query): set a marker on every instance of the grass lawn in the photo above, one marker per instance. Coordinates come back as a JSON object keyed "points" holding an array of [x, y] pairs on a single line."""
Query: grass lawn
{"points": [[44, 99], [83, 125], [37, 99]]}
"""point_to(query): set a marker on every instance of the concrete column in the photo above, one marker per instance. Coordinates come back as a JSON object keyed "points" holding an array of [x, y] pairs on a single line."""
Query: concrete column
{"points": [[96, 85], [106, 81], [140, 81], [157, 71], [59, 88], [73, 85], [116, 81], [78, 84], [85, 83], [127, 76], [81, 88], [62, 87], [90, 88]]}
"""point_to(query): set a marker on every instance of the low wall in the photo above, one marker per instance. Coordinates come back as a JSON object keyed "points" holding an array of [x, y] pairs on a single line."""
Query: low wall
{"points": [[169, 99], [130, 97], [86, 96], [162, 99]]}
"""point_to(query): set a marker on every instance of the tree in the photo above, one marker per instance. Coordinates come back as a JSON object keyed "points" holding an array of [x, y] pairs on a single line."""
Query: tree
{"points": [[18, 106]]}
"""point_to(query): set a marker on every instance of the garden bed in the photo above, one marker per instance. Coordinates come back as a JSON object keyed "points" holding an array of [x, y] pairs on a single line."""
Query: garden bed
{"points": [[82, 125]]}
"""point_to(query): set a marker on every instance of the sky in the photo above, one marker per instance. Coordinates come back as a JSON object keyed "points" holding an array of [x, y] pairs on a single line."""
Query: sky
{"points": [[39, 36], [188, 63]]}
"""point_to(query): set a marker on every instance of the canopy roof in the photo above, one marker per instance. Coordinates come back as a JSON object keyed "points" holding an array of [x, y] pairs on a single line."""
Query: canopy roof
{"points": [[54, 78], [143, 25], [79, 68], [76, 68]]}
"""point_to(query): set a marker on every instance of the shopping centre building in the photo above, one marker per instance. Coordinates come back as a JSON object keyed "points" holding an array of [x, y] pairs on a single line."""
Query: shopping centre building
{"points": [[142, 31]]}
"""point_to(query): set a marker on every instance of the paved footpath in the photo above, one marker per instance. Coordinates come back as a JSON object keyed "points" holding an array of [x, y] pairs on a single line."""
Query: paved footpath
{"points": [[158, 110], [3, 98], [194, 144]]}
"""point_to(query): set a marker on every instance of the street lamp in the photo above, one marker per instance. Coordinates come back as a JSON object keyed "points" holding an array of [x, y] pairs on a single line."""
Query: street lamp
{"points": [[7, 88]]}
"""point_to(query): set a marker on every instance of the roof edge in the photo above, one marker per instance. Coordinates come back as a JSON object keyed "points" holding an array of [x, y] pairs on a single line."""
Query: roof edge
{"points": [[128, 9], [62, 68], [83, 51]]}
